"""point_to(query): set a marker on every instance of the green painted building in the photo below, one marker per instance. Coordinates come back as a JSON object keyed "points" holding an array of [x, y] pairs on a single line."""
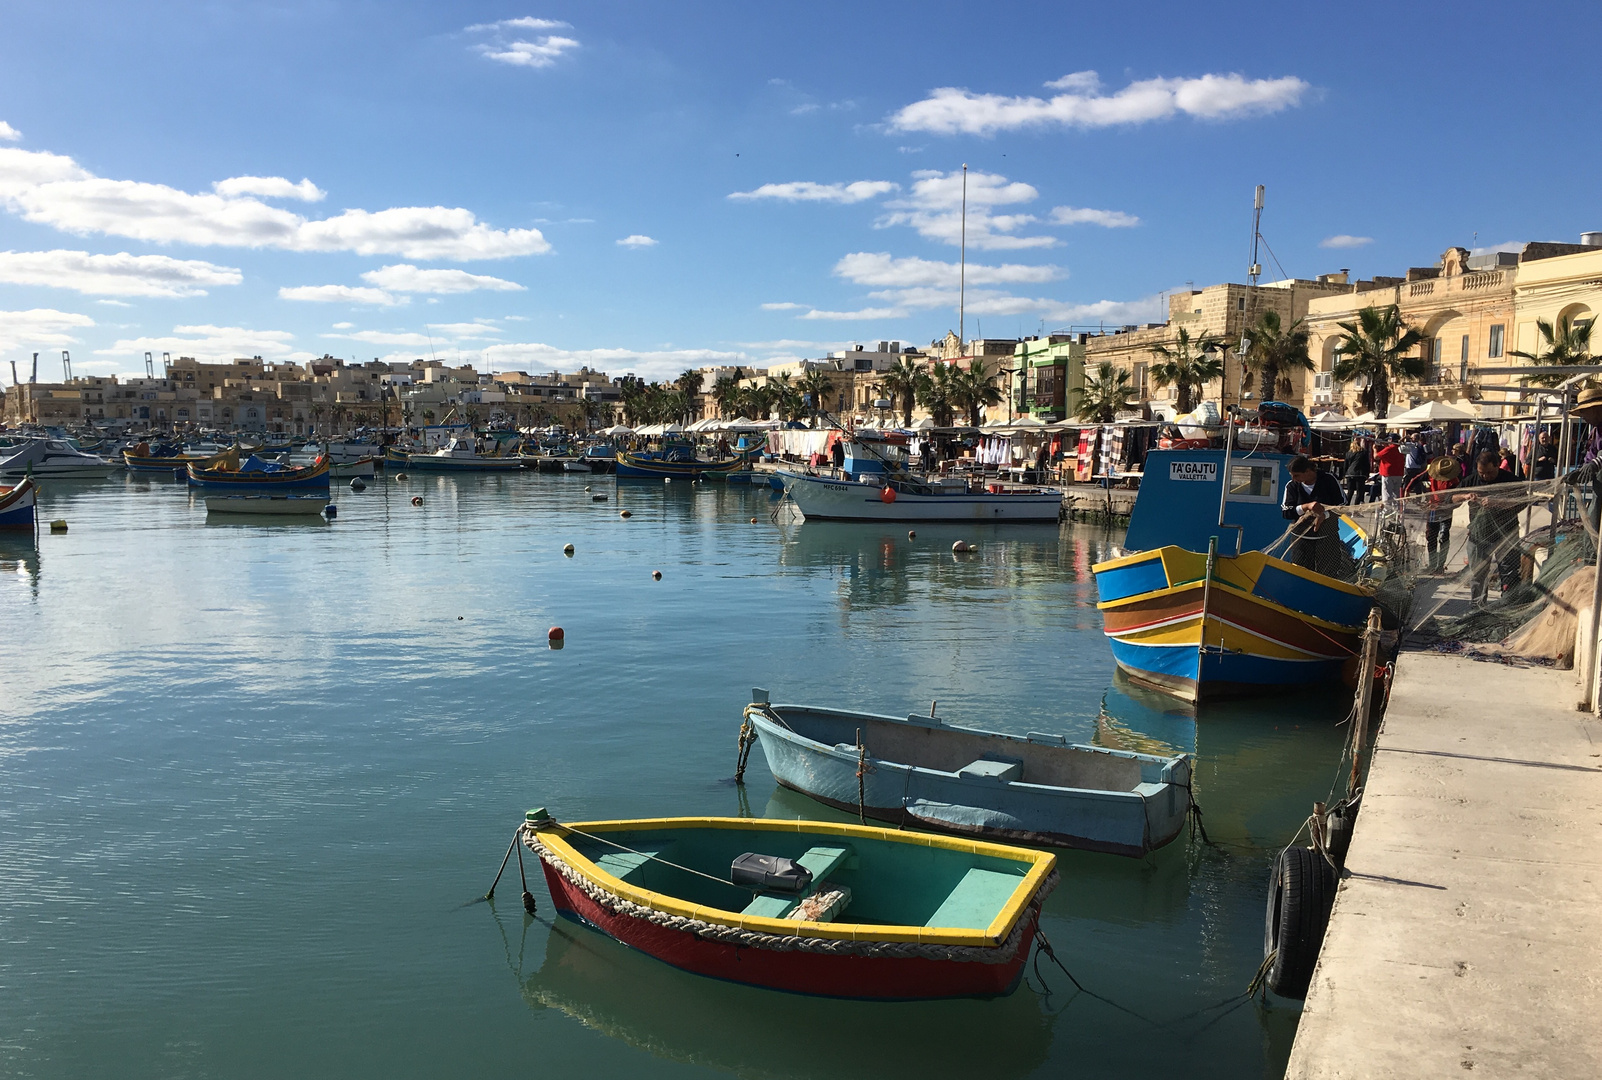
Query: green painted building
{"points": [[1046, 372]]}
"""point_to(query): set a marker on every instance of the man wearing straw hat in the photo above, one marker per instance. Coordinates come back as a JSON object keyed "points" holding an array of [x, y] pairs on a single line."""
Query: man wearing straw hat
{"points": [[1588, 407], [1442, 475]]}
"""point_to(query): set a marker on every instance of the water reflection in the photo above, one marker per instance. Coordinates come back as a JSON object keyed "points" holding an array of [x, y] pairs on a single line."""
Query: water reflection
{"points": [[19, 554], [673, 1015]]}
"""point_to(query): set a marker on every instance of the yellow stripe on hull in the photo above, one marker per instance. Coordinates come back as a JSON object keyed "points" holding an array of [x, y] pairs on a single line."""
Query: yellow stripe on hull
{"points": [[1225, 635]]}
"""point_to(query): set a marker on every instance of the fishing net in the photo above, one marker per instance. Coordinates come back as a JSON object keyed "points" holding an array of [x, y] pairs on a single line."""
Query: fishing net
{"points": [[1502, 570]]}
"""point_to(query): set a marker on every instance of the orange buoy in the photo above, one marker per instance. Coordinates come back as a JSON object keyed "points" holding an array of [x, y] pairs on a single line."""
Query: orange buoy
{"points": [[555, 634], [417, 500], [887, 494]]}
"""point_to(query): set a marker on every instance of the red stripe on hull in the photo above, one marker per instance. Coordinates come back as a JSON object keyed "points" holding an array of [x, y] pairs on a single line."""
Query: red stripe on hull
{"points": [[821, 974]]}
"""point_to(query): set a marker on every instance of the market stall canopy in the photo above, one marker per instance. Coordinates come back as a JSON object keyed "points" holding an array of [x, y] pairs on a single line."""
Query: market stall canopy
{"points": [[1432, 412], [618, 429], [926, 424]]}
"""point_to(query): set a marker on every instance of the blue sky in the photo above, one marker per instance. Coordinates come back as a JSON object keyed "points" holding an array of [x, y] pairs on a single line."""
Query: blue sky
{"points": [[649, 187]]}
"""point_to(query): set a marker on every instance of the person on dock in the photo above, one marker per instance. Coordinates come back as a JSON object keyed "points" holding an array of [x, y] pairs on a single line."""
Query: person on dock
{"points": [[1309, 493], [1415, 456], [1442, 475], [1493, 529], [1543, 465], [1391, 466], [1356, 470]]}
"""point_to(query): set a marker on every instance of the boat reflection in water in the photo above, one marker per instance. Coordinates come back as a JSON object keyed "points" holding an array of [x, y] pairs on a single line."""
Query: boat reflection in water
{"points": [[19, 554], [1256, 759], [626, 995]]}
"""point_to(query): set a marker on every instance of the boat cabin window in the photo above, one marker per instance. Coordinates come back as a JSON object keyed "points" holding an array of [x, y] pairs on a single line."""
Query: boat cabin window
{"points": [[1254, 482]]}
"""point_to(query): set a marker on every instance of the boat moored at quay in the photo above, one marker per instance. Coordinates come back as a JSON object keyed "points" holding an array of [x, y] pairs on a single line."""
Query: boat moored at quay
{"points": [[55, 459], [256, 475], [17, 504], [1199, 610], [920, 771]]}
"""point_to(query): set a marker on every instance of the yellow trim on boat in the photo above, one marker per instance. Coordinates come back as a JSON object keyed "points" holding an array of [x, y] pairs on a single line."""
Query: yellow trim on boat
{"points": [[1041, 865], [1301, 616]]}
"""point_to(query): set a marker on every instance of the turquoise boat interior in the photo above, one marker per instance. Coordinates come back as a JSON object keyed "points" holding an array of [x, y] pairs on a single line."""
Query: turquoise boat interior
{"points": [[885, 882]]}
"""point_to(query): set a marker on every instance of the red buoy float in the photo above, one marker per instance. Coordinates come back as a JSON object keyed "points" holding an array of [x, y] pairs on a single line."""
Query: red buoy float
{"points": [[555, 634], [417, 500], [887, 494]]}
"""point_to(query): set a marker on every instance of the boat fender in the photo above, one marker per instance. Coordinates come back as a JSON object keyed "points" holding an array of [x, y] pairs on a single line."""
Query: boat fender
{"points": [[1301, 891], [358, 484], [625, 514], [330, 511], [1338, 823], [417, 500], [567, 549], [887, 494], [656, 575]]}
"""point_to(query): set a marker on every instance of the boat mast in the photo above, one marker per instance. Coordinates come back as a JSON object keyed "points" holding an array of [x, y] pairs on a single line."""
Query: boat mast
{"points": [[962, 266], [1252, 274]]}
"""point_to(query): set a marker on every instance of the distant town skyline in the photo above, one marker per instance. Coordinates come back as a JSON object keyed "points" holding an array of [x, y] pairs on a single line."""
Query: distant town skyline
{"points": [[647, 189]]}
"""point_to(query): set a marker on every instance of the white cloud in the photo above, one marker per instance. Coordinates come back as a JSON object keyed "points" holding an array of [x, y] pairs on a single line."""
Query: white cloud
{"points": [[344, 326], [388, 337], [340, 294], [434, 335], [8, 133], [884, 270], [934, 208], [1344, 241], [38, 327], [859, 315], [114, 275], [811, 191], [464, 331], [782, 305], [52, 189], [953, 110], [1107, 219], [649, 364], [206, 342], [114, 303], [535, 51], [271, 187], [637, 241], [406, 278]]}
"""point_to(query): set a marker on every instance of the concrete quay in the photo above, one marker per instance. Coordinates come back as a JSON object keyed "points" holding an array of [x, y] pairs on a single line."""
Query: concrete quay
{"points": [[1467, 931]]}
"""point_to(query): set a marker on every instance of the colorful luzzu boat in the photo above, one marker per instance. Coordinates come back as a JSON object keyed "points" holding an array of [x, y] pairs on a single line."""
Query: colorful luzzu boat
{"points": [[16, 505], [805, 906], [1199, 624], [256, 476], [178, 461], [676, 461]]}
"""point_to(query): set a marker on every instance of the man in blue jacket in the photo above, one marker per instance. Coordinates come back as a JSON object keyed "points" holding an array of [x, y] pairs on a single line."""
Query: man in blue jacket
{"points": [[1309, 493]]}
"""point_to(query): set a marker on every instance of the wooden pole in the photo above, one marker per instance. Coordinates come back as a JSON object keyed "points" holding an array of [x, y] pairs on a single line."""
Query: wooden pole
{"points": [[1368, 659]]}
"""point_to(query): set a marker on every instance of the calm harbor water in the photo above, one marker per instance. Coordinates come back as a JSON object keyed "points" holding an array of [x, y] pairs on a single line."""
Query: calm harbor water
{"points": [[253, 776]]}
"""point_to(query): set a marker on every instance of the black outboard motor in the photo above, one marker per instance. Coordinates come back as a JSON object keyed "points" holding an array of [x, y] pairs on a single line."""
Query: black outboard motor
{"points": [[770, 873]]}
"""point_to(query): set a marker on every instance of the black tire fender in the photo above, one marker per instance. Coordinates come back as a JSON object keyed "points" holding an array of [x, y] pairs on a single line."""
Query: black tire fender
{"points": [[1301, 891]]}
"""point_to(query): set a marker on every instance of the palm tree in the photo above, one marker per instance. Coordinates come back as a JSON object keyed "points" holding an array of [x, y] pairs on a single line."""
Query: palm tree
{"points": [[689, 384], [938, 393], [1188, 366], [904, 380], [726, 392], [975, 390], [1566, 342], [1275, 352], [1376, 347], [786, 397], [339, 411], [816, 387], [1106, 393]]}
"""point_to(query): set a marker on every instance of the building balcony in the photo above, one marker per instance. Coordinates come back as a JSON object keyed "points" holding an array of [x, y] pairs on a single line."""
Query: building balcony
{"points": [[1481, 281]]}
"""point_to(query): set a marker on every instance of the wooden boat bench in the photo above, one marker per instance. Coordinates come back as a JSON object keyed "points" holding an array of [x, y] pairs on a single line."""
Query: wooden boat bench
{"points": [[620, 864], [975, 900], [821, 861]]}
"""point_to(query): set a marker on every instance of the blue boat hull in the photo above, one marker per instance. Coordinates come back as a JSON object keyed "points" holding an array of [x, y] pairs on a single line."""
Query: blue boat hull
{"points": [[1149, 813]]}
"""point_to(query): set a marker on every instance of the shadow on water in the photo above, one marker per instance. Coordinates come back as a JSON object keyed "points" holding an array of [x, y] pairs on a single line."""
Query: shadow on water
{"points": [[626, 995]]}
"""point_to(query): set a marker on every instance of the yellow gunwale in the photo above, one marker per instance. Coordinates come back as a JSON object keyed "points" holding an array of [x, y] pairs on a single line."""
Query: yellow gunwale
{"points": [[1311, 620], [1041, 865]]}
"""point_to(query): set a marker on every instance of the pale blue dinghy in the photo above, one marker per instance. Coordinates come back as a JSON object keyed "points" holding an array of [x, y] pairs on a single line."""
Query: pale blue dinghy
{"points": [[920, 771]]}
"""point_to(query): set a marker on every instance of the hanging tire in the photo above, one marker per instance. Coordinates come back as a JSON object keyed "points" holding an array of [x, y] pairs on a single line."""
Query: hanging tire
{"points": [[1300, 894]]}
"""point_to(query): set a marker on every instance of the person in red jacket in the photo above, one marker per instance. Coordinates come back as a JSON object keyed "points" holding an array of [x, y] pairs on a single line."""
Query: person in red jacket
{"points": [[1391, 466]]}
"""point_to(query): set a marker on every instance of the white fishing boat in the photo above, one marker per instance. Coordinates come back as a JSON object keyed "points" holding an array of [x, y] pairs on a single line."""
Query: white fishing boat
{"points": [[278, 505], [345, 470], [55, 459], [576, 465], [873, 484]]}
